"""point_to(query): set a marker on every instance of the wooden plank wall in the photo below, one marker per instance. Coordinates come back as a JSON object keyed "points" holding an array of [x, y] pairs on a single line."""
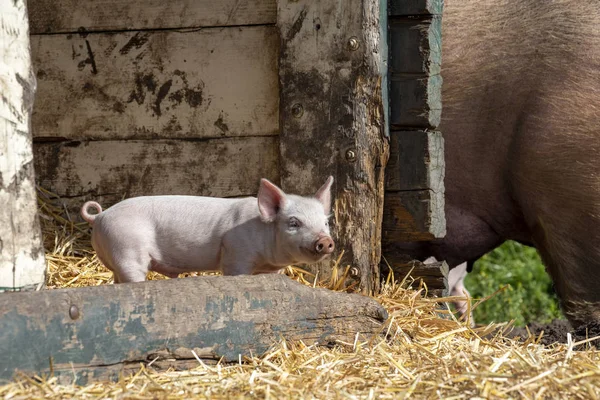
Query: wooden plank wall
{"points": [[414, 200], [155, 98]]}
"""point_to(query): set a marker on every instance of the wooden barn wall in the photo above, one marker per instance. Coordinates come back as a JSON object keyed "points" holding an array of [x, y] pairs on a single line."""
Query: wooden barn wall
{"points": [[153, 98]]}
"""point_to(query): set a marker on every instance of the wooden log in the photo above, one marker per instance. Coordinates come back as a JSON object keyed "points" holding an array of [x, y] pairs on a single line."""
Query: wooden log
{"points": [[110, 170], [332, 116], [22, 263], [50, 16], [163, 84], [413, 216], [97, 332], [433, 275]]}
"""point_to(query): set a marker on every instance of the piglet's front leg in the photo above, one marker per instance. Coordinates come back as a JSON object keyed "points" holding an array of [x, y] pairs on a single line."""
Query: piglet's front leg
{"points": [[235, 262]]}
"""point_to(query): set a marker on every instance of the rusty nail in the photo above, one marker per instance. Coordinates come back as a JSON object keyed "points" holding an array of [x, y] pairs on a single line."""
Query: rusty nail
{"points": [[73, 312], [350, 155], [354, 272], [297, 110], [353, 43]]}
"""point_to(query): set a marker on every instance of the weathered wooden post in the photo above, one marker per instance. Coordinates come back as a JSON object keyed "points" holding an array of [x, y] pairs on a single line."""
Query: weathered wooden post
{"points": [[22, 263], [333, 108]]}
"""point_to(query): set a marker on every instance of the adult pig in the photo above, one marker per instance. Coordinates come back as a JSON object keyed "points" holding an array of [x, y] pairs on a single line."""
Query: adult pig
{"points": [[175, 234], [521, 123]]}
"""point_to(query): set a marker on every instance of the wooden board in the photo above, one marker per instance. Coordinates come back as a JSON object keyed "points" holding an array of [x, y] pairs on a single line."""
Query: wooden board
{"points": [[219, 82], [415, 7], [22, 263], [414, 203], [50, 16], [415, 46], [96, 332], [413, 216], [111, 170], [433, 275], [416, 161], [332, 74], [415, 80]]}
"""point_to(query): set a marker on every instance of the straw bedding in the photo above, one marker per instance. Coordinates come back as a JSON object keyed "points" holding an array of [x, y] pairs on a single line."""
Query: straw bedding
{"points": [[419, 354]]}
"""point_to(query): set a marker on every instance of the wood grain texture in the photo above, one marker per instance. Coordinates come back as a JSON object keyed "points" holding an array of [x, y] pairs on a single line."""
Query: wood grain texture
{"points": [[333, 119], [413, 216], [416, 102], [22, 263], [415, 82], [50, 16], [433, 275], [95, 332], [110, 170], [416, 7], [414, 205], [415, 46], [416, 161], [219, 82]]}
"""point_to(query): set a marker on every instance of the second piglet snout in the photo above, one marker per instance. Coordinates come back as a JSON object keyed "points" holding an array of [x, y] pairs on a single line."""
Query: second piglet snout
{"points": [[324, 245]]}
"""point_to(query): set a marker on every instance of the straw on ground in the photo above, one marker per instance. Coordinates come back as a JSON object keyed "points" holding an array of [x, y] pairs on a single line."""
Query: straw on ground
{"points": [[419, 354]]}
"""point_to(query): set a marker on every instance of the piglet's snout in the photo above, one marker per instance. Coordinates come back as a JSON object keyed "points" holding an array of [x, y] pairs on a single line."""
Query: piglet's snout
{"points": [[324, 245]]}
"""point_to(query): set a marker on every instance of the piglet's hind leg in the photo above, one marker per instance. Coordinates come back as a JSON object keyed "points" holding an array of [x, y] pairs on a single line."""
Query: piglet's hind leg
{"points": [[131, 275], [131, 267]]}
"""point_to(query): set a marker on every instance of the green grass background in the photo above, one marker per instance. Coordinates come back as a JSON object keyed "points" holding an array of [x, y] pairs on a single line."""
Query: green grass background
{"points": [[528, 295]]}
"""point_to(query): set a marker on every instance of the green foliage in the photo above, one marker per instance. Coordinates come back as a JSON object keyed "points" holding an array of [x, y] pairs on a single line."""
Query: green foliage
{"points": [[528, 296]]}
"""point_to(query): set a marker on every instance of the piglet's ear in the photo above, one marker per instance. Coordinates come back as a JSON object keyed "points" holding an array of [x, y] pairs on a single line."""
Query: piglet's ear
{"points": [[270, 200], [324, 195]]}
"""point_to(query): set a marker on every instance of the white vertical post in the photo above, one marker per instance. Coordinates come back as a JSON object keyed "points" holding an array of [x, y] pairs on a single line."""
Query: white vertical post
{"points": [[22, 264]]}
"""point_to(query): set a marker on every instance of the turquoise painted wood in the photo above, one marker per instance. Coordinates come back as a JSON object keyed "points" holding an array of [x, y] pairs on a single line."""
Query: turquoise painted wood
{"points": [[97, 332], [415, 80], [415, 188], [414, 199], [416, 7], [416, 161]]}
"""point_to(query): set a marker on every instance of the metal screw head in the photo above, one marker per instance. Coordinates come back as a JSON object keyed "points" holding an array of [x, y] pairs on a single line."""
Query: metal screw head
{"points": [[73, 312], [297, 110], [353, 43], [354, 272], [350, 155]]}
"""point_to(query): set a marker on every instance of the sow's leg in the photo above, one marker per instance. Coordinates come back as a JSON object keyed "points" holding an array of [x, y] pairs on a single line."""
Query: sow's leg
{"points": [[557, 177], [560, 191]]}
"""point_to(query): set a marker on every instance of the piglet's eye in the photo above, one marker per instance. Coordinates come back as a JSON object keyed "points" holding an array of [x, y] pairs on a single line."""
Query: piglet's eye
{"points": [[294, 223]]}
